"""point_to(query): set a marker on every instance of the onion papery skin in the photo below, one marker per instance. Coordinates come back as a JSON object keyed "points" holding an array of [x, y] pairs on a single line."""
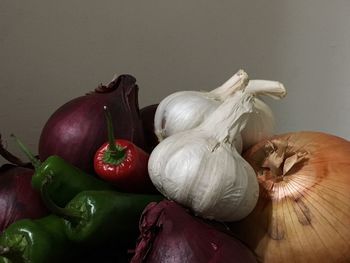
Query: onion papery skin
{"points": [[18, 200], [304, 215], [78, 128]]}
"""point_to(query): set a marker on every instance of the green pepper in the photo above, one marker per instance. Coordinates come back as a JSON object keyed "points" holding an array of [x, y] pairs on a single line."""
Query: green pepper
{"points": [[35, 241], [97, 217], [66, 180], [4, 260]]}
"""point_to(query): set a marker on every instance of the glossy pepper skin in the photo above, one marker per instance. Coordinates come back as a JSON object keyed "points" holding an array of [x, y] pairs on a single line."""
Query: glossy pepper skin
{"points": [[130, 173], [65, 180], [96, 217], [123, 163], [35, 241]]}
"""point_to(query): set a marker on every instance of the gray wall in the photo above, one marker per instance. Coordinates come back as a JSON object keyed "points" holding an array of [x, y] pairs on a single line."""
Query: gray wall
{"points": [[53, 51]]}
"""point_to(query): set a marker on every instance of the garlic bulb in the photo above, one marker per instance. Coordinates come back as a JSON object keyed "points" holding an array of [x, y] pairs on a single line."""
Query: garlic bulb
{"points": [[201, 169], [185, 110]]}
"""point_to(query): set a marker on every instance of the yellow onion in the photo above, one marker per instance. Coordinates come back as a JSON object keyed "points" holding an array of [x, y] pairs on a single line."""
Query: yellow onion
{"points": [[303, 212]]}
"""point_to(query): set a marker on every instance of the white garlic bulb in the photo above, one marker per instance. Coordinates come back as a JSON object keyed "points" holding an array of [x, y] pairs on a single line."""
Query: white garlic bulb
{"points": [[201, 169], [185, 110]]}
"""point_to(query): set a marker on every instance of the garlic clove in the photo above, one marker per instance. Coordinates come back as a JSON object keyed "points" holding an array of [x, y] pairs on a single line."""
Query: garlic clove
{"points": [[229, 189], [176, 112]]}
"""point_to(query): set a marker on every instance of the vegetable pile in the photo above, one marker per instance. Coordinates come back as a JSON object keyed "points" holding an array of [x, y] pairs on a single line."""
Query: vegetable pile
{"points": [[200, 176]]}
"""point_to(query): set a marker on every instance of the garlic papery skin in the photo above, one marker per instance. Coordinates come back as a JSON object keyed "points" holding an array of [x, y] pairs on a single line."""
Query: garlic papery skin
{"points": [[201, 169], [185, 110], [270, 88], [261, 123], [260, 126]]}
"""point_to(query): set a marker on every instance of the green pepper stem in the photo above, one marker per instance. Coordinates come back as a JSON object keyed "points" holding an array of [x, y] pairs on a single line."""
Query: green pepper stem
{"points": [[115, 152], [9, 156], [35, 162], [66, 213]]}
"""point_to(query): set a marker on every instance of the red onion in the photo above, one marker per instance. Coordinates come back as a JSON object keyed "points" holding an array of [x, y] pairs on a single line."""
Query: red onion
{"points": [[18, 199], [77, 129], [147, 116], [170, 234]]}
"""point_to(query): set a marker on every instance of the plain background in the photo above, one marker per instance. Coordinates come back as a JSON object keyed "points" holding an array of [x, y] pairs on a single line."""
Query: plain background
{"points": [[53, 51]]}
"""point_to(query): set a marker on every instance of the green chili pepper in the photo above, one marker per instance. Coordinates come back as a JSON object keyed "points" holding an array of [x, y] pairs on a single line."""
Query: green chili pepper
{"points": [[35, 241], [4, 260], [96, 217], [66, 180]]}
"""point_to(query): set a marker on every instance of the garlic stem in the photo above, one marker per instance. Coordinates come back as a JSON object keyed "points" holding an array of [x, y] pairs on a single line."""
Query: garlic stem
{"points": [[230, 117], [273, 89], [237, 82]]}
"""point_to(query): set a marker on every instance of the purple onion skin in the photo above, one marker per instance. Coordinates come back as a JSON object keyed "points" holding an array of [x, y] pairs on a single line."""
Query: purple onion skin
{"points": [[78, 128], [18, 200], [171, 234], [147, 116]]}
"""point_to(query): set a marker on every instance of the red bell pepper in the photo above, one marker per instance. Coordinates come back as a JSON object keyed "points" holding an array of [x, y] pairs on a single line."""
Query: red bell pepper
{"points": [[123, 163]]}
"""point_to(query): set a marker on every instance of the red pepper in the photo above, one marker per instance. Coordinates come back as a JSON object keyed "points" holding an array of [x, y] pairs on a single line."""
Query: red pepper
{"points": [[123, 163]]}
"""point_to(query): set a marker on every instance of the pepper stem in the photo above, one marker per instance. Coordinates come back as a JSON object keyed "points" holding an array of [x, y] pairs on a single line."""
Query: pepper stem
{"points": [[35, 162], [9, 156], [66, 213], [114, 154]]}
